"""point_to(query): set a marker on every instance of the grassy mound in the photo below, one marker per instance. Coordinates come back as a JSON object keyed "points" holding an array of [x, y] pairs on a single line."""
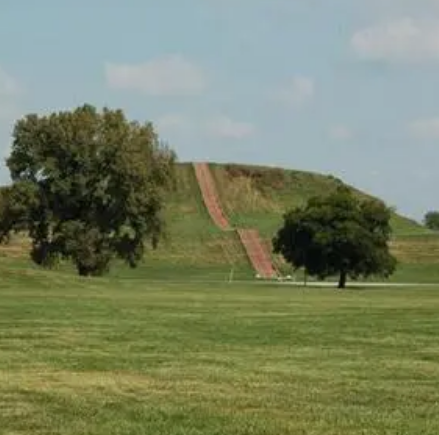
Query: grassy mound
{"points": [[258, 196], [254, 197]]}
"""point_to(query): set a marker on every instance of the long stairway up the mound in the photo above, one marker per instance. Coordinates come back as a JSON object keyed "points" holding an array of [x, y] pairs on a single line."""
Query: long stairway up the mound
{"points": [[210, 195], [257, 253]]}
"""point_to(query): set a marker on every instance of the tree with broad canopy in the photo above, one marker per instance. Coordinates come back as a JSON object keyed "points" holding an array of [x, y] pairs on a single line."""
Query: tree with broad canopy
{"points": [[338, 234], [88, 186], [431, 220]]}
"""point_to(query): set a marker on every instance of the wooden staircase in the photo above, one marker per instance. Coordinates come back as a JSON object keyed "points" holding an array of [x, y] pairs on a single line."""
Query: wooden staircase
{"points": [[250, 238]]}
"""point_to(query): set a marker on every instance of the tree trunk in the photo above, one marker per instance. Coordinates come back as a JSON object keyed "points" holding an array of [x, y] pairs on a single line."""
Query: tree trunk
{"points": [[83, 271], [342, 280]]}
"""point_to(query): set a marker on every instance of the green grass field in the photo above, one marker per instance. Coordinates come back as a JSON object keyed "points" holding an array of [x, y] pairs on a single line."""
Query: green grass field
{"points": [[123, 356], [173, 348]]}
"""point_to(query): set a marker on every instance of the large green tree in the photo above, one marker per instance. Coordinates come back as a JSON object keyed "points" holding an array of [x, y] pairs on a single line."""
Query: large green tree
{"points": [[431, 220], [88, 186], [338, 234]]}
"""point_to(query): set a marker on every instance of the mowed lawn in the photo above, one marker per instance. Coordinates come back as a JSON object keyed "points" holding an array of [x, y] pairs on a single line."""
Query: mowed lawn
{"points": [[137, 357]]}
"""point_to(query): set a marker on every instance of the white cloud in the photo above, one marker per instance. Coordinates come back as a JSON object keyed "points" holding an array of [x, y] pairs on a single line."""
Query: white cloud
{"points": [[9, 86], [390, 7], [166, 76], [403, 40], [221, 126], [340, 132], [172, 122], [225, 127], [425, 128], [297, 92]]}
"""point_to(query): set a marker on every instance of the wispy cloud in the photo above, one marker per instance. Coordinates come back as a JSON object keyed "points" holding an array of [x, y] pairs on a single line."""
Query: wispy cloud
{"points": [[402, 40], [340, 132], [298, 91], [225, 127], [425, 128], [171, 75], [220, 126]]}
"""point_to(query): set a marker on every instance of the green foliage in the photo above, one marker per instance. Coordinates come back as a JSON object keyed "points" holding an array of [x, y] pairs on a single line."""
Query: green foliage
{"points": [[87, 185], [338, 234], [431, 220]]}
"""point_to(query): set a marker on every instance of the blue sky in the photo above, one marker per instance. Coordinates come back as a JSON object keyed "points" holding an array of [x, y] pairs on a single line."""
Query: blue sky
{"points": [[348, 87]]}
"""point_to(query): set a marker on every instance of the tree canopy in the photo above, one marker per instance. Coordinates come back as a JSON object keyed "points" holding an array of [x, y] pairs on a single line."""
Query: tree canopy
{"points": [[338, 234], [431, 220], [88, 186]]}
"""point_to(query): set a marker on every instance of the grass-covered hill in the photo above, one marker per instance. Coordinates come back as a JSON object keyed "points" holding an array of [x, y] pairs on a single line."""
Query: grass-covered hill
{"points": [[252, 197]]}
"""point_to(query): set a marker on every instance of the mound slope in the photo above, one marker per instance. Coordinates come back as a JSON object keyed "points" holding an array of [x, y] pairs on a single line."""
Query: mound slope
{"points": [[252, 197]]}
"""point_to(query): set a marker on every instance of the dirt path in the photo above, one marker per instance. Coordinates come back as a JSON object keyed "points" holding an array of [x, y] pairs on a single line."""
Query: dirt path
{"points": [[250, 238]]}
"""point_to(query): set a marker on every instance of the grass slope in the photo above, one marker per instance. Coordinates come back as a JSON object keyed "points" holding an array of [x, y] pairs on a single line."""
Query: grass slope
{"points": [[258, 196], [252, 197], [104, 357], [193, 241], [193, 247]]}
